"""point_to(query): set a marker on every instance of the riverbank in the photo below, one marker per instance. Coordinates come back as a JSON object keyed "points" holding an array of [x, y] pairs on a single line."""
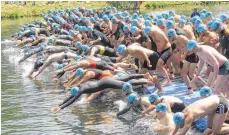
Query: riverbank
{"points": [[17, 10]]}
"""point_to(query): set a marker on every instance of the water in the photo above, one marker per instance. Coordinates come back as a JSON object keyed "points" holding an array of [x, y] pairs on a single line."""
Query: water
{"points": [[26, 103]]}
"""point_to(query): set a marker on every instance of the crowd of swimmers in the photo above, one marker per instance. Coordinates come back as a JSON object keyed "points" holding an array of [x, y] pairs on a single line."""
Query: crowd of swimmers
{"points": [[107, 50]]}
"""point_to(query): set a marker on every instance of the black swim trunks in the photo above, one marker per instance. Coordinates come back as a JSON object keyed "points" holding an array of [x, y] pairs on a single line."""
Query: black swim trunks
{"points": [[165, 54], [153, 58], [193, 58], [223, 105], [224, 69]]}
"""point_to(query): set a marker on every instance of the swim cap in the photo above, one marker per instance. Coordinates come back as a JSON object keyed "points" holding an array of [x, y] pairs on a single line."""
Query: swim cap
{"points": [[76, 19], [105, 18], [71, 32], [169, 24], [182, 21], [84, 28], [134, 22], [201, 28], [171, 33], [78, 57], [84, 48], [209, 23], [43, 39], [48, 22], [223, 17], [178, 118], [74, 91], [146, 15], [203, 11], [205, 91], [121, 48], [159, 17], [183, 17], [89, 28], [147, 29], [191, 44], [153, 97], [171, 13], [147, 23], [161, 107], [133, 97], [94, 10], [215, 25], [127, 87], [78, 44], [208, 14], [126, 28], [202, 16], [134, 16], [171, 18], [193, 19], [165, 15], [92, 19], [198, 21], [118, 14], [113, 19], [104, 9], [50, 41], [76, 26], [60, 66], [160, 21], [79, 72], [133, 29], [126, 19]]}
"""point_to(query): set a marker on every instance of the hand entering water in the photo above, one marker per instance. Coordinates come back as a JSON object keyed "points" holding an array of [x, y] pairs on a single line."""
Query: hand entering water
{"points": [[56, 109]]}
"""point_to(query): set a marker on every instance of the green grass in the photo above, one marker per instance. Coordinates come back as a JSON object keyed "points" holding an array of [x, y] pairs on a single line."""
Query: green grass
{"points": [[15, 10]]}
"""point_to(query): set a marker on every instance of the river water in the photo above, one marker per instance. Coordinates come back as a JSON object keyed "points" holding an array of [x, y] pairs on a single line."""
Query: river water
{"points": [[26, 103]]}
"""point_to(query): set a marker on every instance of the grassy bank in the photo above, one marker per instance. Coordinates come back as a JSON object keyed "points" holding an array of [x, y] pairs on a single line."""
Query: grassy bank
{"points": [[16, 10]]}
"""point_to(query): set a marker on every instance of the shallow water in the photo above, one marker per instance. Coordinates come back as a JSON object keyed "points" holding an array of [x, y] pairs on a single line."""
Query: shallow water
{"points": [[26, 103]]}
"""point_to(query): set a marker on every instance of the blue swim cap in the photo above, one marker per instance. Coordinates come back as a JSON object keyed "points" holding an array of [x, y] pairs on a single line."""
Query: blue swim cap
{"points": [[105, 18], [161, 107], [78, 57], [169, 24], [74, 91], [121, 48], [94, 10], [215, 25], [193, 19], [182, 21], [134, 22], [223, 17], [50, 41], [208, 14], [165, 15], [126, 28], [160, 21], [84, 28], [71, 32], [76, 26], [133, 97], [153, 97], [159, 16], [48, 22], [133, 29], [146, 15], [89, 28], [125, 13], [92, 19], [147, 23], [113, 19], [104, 9], [127, 87], [134, 16], [43, 39], [203, 11], [198, 21], [205, 91], [118, 14], [60, 66], [79, 72], [183, 17], [209, 23], [202, 16], [147, 29], [78, 44], [171, 33], [171, 13], [171, 18], [84, 48], [126, 19], [178, 118], [76, 19], [201, 28], [191, 44]]}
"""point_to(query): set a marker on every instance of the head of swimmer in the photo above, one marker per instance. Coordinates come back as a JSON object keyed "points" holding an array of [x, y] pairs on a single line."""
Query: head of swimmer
{"points": [[161, 110], [122, 49], [192, 46], [205, 92], [171, 34], [127, 89], [134, 99], [154, 99]]}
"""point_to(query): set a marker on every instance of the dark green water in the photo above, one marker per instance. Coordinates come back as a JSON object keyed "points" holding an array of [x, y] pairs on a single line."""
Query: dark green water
{"points": [[26, 103]]}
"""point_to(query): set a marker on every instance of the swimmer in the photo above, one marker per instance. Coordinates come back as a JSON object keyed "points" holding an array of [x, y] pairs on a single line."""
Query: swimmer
{"points": [[173, 104], [215, 107], [218, 62]]}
